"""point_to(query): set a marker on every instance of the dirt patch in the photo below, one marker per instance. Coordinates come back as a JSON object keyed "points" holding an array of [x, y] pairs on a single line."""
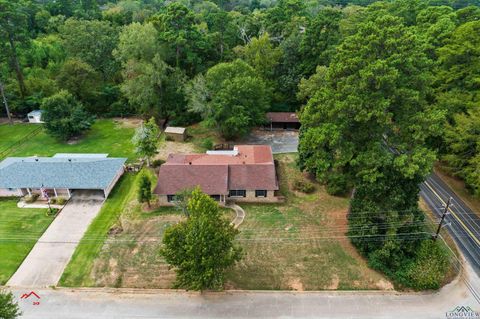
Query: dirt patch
{"points": [[296, 284], [170, 147], [131, 258], [382, 284], [73, 141], [335, 283], [130, 122]]}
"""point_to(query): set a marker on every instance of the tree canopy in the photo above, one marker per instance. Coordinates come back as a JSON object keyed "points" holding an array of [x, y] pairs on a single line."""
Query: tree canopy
{"points": [[64, 116], [201, 248]]}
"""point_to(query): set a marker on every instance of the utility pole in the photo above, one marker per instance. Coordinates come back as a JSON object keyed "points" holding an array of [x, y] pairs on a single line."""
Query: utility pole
{"points": [[445, 212], [5, 103]]}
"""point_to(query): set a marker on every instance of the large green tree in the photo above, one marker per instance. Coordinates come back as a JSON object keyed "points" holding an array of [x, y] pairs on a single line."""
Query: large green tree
{"points": [[459, 69], [201, 248], [238, 98], [152, 86], [64, 116], [322, 34], [179, 32], [369, 124], [146, 139], [463, 147], [13, 29], [262, 55], [375, 99], [80, 79], [93, 42]]}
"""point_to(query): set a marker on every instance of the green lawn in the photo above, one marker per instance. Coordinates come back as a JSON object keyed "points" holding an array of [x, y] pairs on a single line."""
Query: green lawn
{"points": [[10, 134], [20, 228], [80, 266], [106, 136]]}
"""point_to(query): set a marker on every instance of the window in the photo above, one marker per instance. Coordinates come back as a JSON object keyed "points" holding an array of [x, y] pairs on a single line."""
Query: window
{"points": [[171, 198], [260, 193], [215, 197], [237, 193]]}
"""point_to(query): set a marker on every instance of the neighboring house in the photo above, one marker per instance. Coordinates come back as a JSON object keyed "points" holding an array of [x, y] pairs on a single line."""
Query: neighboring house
{"points": [[283, 121], [59, 175], [245, 174], [35, 116], [178, 134]]}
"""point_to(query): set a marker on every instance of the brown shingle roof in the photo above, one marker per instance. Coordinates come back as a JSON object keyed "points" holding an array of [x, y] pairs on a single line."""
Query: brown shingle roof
{"points": [[251, 177], [212, 179], [253, 168], [283, 117]]}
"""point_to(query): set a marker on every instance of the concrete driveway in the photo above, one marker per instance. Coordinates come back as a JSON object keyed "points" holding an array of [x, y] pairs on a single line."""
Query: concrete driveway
{"points": [[47, 260], [281, 141]]}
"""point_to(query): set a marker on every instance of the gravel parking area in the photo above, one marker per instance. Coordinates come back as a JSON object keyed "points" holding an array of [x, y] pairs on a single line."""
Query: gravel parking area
{"points": [[282, 141]]}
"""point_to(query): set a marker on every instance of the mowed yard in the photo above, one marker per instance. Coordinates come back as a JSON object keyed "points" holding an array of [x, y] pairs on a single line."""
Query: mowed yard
{"points": [[299, 245], [20, 229], [112, 136]]}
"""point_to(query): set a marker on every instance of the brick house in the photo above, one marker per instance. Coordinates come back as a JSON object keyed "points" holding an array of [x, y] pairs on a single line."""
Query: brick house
{"points": [[245, 174]]}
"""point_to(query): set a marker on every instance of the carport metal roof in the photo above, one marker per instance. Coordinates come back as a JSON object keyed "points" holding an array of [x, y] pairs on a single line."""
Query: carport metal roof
{"points": [[59, 172]]}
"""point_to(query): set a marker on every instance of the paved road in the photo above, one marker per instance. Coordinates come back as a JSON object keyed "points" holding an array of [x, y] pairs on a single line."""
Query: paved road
{"points": [[46, 261], [462, 222], [103, 304]]}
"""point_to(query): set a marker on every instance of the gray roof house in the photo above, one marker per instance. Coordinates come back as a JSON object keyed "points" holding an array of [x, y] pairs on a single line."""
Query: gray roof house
{"points": [[23, 175]]}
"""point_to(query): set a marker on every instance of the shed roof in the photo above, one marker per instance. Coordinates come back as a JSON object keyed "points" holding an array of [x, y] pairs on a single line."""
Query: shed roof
{"points": [[59, 172], [175, 130], [35, 113], [283, 117]]}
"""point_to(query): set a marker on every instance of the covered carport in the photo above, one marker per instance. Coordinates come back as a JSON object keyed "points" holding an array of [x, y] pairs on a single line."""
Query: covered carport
{"points": [[282, 121]]}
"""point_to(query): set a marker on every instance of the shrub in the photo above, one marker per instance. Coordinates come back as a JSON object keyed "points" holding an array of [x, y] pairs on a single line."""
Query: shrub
{"points": [[52, 211], [428, 269], [53, 200], [207, 143], [336, 184], [8, 306], [61, 200], [30, 198], [303, 186], [157, 163]]}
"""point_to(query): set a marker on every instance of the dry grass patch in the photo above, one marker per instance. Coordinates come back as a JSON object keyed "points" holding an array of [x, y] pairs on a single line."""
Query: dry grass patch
{"points": [[131, 258], [300, 245], [128, 122]]}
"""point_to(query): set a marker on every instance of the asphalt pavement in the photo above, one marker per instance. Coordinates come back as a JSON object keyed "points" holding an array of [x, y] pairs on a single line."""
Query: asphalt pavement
{"points": [[461, 221], [113, 303]]}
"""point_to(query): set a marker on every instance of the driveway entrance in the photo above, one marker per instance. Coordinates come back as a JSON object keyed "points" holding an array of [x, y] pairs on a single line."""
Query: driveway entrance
{"points": [[47, 260]]}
